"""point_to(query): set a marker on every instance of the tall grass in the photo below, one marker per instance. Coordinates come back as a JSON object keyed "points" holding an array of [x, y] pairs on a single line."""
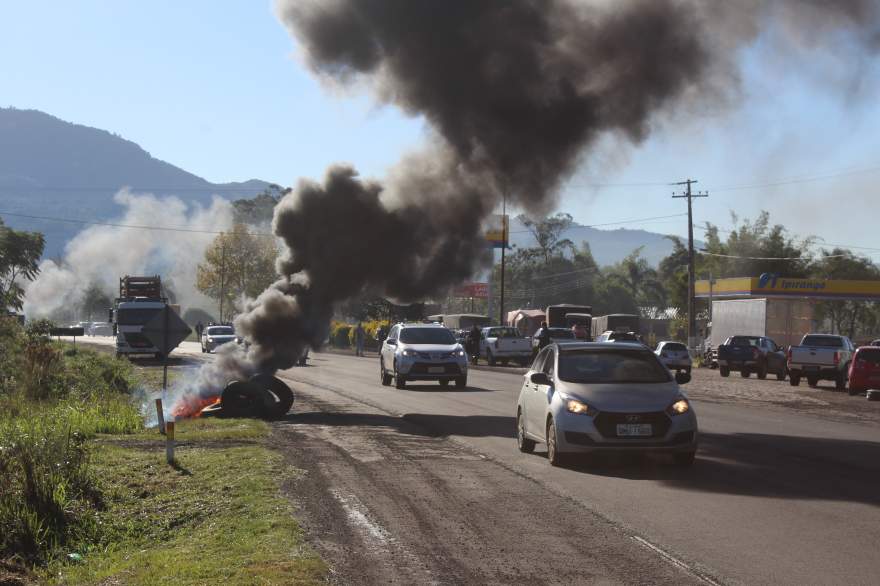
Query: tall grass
{"points": [[51, 402]]}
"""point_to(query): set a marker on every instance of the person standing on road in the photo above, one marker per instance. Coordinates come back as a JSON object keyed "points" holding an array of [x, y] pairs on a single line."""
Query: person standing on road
{"points": [[199, 328], [381, 335], [544, 336], [359, 340], [474, 343]]}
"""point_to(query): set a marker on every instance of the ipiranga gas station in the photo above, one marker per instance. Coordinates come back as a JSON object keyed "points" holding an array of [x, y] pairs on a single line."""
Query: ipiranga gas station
{"points": [[779, 308]]}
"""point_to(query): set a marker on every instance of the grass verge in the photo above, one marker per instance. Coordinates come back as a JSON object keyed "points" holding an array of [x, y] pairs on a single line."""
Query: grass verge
{"points": [[217, 516]]}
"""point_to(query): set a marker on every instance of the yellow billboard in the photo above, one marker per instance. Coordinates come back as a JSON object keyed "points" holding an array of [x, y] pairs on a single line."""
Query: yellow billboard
{"points": [[498, 231]]}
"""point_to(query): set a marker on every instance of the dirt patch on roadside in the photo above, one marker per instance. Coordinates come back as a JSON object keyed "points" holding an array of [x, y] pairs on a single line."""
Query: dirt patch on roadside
{"points": [[824, 401]]}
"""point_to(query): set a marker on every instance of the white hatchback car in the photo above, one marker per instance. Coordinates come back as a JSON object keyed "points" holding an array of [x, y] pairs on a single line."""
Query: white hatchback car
{"points": [[675, 356], [598, 397]]}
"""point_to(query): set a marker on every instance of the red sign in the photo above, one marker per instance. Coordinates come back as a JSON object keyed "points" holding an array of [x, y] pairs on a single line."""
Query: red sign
{"points": [[475, 290]]}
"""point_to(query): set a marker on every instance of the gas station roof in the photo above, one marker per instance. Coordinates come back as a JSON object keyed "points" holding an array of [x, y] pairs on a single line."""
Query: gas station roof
{"points": [[772, 286]]}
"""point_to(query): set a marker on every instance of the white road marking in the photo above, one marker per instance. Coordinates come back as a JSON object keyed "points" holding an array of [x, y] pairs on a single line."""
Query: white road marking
{"points": [[674, 560], [357, 514]]}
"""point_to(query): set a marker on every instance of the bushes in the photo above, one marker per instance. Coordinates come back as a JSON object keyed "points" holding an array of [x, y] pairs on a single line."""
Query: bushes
{"points": [[342, 335], [339, 335]]}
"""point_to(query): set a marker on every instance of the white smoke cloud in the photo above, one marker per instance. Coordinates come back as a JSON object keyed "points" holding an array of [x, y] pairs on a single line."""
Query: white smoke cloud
{"points": [[101, 254]]}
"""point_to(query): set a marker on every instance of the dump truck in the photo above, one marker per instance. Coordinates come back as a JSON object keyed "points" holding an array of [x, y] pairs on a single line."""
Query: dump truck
{"points": [[140, 299]]}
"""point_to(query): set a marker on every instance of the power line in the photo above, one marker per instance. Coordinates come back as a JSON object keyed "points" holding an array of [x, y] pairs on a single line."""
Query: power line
{"points": [[705, 226], [768, 257], [134, 226], [796, 180], [631, 221]]}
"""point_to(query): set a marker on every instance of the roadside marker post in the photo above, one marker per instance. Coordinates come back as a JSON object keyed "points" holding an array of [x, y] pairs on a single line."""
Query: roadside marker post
{"points": [[160, 416], [169, 442]]}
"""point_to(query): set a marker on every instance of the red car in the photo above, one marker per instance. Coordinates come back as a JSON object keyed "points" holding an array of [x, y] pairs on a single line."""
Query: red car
{"points": [[864, 370]]}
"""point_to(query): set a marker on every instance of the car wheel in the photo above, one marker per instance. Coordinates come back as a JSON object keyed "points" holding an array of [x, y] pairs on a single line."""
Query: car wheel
{"points": [[490, 359], [553, 454], [812, 381], [524, 444], [781, 374], [383, 375], [794, 380], [725, 372], [762, 373], [461, 382], [685, 459], [444, 382], [745, 373], [688, 369], [399, 380]]}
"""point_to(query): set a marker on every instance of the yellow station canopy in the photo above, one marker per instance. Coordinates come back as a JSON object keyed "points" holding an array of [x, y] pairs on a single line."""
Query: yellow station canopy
{"points": [[769, 285]]}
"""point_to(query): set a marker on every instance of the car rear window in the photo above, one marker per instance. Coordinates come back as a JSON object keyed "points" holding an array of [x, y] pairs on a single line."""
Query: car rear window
{"points": [[503, 333], [620, 366], [823, 341], [220, 331], [675, 347], [426, 336], [869, 355], [744, 341]]}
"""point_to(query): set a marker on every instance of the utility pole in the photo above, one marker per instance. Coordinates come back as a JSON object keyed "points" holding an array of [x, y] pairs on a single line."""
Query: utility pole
{"points": [[692, 310], [503, 249], [222, 272]]}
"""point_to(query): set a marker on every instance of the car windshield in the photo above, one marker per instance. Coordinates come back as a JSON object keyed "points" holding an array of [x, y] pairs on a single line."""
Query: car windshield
{"points": [[220, 331], [823, 341], [560, 334], [620, 366], [503, 333], [426, 336], [135, 317], [743, 341]]}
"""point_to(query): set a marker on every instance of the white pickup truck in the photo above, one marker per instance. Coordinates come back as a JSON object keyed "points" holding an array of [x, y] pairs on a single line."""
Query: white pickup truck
{"points": [[820, 357], [503, 344]]}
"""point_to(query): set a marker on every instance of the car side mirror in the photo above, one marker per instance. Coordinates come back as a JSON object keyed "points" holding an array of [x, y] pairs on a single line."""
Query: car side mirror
{"points": [[540, 378], [391, 342], [682, 378]]}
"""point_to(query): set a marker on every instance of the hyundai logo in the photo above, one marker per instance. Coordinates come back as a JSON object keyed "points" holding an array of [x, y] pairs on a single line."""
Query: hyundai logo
{"points": [[633, 418]]}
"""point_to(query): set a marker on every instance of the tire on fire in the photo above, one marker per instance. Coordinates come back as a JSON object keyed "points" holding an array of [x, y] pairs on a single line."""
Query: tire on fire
{"points": [[282, 396]]}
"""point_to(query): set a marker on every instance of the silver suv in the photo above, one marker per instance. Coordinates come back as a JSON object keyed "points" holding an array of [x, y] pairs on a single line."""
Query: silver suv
{"points": [[417, 352]]}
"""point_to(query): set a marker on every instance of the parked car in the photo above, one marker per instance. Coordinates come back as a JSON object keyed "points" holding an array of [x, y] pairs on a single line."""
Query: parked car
{"points": [[101, 329], [215, 336], [875, 342], [675, 356], [748, 354], [503, 344], [864, 370], [423, 352], [587, 397], [610, 336], [556, 335], [821, 357]]}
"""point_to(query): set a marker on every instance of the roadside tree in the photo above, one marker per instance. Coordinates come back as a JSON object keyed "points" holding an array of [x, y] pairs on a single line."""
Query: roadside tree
{"points": [[20, 254]]}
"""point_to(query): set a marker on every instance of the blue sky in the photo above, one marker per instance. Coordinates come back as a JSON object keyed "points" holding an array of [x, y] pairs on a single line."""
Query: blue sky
{"points": [[221, 93]]}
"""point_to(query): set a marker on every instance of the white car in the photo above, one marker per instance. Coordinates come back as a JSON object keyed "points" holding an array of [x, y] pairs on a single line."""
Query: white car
{"points": [[423, 352], [675, 356], [215, 336], [586, 397], [503, 344]]}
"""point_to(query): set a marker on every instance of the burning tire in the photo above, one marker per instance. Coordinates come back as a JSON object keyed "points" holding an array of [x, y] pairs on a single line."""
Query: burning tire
{"points": [[282, 396], [244, 399]]}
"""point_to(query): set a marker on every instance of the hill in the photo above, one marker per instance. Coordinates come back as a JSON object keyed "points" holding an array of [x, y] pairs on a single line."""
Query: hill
{"points": [[49, 167]]}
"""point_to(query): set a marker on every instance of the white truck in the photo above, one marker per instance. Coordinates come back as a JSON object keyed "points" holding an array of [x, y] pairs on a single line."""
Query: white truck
{"points": [[140, 299], [820, 357], [504, 344]]}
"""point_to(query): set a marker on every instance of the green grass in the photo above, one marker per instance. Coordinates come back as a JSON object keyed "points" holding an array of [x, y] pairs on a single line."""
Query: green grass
{"points": [[217, 517]]}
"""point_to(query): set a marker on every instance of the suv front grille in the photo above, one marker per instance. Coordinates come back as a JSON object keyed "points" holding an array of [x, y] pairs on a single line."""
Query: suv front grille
{"points": [[606, 423], [422, 368]]}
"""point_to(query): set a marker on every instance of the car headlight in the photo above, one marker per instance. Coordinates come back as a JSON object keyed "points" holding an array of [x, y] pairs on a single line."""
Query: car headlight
{"points": [[410, 353], [460, 353], [679, 407], [579, 407], [210, 339]]}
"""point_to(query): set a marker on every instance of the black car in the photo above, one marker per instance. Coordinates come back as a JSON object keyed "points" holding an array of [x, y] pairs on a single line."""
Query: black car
{"points": [[749, 354]]}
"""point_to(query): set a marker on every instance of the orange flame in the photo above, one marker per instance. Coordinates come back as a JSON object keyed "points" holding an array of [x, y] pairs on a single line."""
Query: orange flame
{"points": [[192, 405]]}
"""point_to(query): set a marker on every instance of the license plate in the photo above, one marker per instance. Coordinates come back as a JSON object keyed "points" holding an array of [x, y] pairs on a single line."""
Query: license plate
{"points": [[634, 429], [436, 370]]}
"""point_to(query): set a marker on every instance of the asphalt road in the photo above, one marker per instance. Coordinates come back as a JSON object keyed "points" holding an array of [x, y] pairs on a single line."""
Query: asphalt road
{"points": [[776, 496]]}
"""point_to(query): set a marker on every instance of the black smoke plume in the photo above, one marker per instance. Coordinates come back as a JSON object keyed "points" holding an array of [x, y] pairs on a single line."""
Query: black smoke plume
{"points": [[514, 91]]}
